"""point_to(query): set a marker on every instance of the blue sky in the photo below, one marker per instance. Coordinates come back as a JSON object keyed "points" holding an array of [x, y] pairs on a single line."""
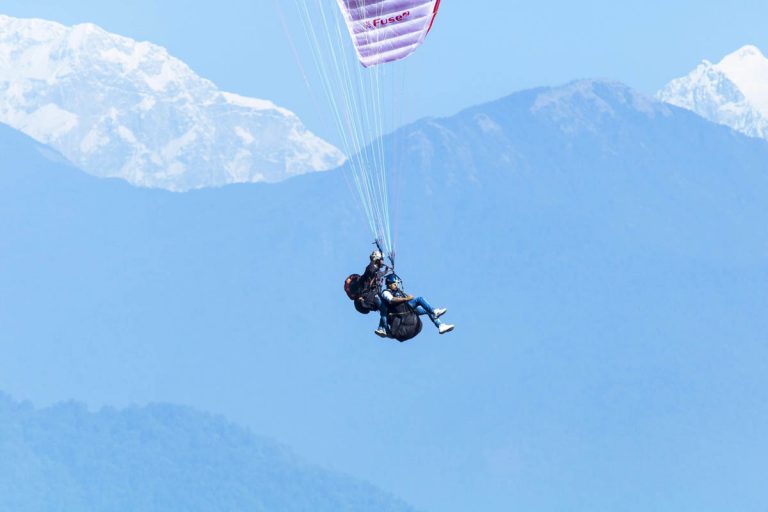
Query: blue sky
{"points": [[473, 55], [632, 376]]}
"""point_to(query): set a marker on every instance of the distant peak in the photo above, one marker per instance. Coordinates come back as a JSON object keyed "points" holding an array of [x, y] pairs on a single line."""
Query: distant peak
{"points": [[748, 55], [748, 69], [733, 92], [749, 51], [117, 107], [88, 28], [83, 32], [600, 90]]}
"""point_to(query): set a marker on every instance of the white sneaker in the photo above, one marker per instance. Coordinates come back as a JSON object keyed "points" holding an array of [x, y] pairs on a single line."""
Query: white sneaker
{"points": [[444, 328], [381, 333], [439, 312]]}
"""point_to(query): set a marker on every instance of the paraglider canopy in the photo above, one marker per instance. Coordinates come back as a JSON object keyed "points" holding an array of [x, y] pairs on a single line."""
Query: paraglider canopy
{"points": [[388, 30]]}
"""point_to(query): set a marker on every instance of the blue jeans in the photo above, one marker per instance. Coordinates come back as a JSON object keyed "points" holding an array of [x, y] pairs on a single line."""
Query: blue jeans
{"points": [[383, 312], [422, 307]]}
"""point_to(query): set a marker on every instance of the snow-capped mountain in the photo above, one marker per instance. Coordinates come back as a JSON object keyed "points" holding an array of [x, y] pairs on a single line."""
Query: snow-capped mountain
{"points": [[120, 108], [733, 92]]}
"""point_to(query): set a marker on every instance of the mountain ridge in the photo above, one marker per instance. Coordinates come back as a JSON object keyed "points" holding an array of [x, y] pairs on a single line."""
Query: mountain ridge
{"points": [[148, 118], [159, 457]]}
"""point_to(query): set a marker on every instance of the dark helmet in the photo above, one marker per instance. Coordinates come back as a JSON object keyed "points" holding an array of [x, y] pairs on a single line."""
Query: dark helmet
{"points": [[392, 278]]}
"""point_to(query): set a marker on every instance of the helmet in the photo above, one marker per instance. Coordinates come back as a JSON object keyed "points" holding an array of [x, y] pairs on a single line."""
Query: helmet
{"points": [[392, 278], [376, 256]]}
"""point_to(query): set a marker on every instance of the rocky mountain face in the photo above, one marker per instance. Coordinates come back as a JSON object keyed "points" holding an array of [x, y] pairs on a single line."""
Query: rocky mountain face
{"points": [[120, 108], [733, 92]]}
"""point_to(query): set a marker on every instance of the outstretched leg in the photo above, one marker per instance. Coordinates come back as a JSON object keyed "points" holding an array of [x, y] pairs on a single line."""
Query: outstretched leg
{"points": [[421, 302], [423, 312], [422, 307]]}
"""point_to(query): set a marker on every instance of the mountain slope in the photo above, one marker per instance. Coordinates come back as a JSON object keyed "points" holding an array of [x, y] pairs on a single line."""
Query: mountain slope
{"points": [[601, 253], [121, 108], [159, 458], [733, 92]]}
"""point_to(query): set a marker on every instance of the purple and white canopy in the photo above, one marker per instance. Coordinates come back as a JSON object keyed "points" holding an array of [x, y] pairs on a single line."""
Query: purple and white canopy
{"points": [[387, 30]]}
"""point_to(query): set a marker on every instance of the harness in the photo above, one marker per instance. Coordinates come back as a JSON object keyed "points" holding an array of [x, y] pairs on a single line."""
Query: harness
{"points": [[404, 322], [376, 280], [401, 309]]}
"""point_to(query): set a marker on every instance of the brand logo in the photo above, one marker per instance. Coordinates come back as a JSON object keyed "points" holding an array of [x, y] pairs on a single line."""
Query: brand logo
{"points": [[381, 22]]}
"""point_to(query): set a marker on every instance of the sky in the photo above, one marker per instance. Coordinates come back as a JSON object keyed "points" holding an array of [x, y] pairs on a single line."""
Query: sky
{"points": [[474, 54], [621, 403]]}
